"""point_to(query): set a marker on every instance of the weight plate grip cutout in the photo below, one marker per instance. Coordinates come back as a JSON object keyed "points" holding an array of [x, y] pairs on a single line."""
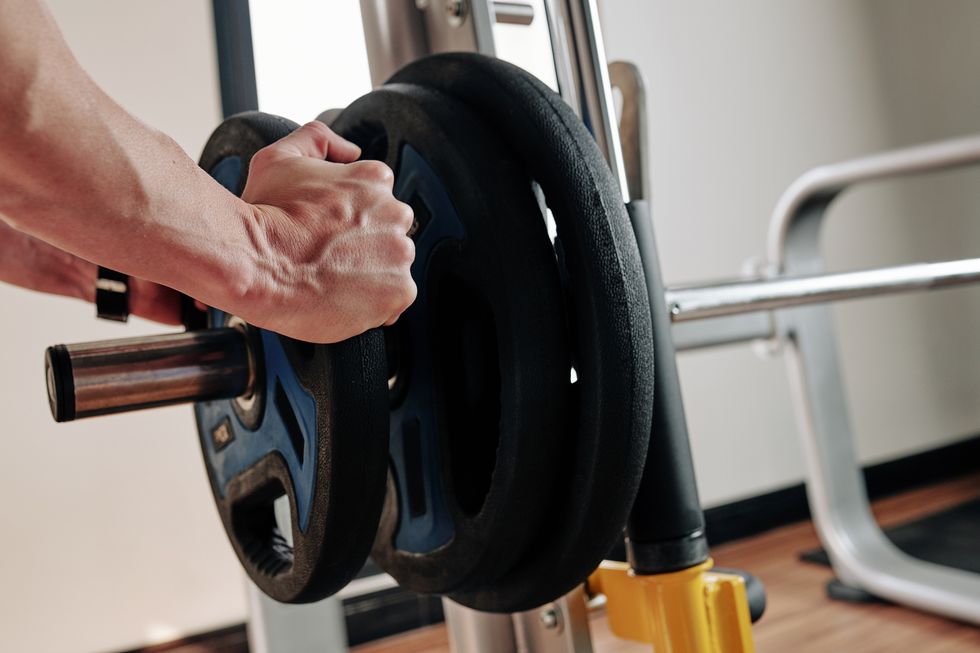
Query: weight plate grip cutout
{"points": [[316, 408], [424, 520]]}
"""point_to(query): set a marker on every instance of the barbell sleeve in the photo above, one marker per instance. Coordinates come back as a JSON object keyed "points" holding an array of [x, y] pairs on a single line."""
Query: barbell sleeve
{"points": [[114, 376]]}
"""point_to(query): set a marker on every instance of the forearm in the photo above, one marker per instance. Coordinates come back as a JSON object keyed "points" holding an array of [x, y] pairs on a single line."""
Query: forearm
{"points": [[320, 252], [80, 173]]}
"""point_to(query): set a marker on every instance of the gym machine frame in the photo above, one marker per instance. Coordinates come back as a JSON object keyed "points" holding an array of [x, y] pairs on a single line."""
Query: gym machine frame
{"points": [[666, 539], [859, 552], [666, 544], [715, 314]]}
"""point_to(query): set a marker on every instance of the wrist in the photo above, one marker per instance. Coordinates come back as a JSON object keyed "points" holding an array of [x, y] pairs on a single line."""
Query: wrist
{"points": [[80, 278], [228, 274], [76, 277]]}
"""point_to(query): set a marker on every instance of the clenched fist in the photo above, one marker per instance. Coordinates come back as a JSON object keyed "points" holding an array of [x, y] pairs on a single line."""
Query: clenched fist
{"points": [[332, 255]]}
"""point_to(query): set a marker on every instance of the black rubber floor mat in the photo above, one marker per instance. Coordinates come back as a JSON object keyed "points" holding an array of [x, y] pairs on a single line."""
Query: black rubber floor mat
{"points": [[950, 537]]}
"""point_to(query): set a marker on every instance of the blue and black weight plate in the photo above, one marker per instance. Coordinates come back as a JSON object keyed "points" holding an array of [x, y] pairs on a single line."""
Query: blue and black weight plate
{"points": [[479, 365], [597, 462], [298, 469]]}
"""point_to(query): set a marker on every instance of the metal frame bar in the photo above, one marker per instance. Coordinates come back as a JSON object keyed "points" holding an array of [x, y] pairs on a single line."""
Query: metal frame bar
{"points": [[236, 62], [730, 330], [565, 69], [558, 627], [626, 76], [280, 628], [860, 553], [583, 52], [736, 297]]}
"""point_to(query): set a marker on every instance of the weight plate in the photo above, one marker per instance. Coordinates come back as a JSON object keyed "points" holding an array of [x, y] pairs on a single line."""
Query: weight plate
{"points": [[602, 456], [310, 447], [479, 364]]}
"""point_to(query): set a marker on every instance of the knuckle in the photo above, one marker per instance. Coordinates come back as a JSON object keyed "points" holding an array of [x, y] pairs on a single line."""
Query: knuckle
{"points": [[320, 132], [410, 293], [405, 249], [405, 215], [319, 128], [373, 171], [264, 156]]}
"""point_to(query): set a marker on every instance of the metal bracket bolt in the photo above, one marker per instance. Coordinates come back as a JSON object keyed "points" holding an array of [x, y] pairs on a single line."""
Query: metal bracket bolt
{"points": [[550, 617], [455, 12]]}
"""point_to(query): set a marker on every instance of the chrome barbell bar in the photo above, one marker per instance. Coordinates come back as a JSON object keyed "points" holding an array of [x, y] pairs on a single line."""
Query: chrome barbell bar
{"points": [[98, 378], [114, 376], [699, 302]]}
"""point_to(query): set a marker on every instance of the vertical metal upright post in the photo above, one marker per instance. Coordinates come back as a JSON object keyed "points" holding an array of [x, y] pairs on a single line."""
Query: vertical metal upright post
{"points": [[275, 627], [558, 627], [581, 57], [397, 32], [478, 632], [393, 34], [236, 61]]}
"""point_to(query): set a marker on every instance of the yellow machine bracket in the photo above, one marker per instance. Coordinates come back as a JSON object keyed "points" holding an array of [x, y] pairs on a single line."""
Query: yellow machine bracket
{"points": [[694, 610]]}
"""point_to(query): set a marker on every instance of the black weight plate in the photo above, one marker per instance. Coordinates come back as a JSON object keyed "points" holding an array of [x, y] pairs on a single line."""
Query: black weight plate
{"points": [[318, 433], [602, 458], [480, 361]]}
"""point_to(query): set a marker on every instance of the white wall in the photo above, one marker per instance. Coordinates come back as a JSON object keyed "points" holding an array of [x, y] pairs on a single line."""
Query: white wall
{"points": [[746, 96], [110, 536]]}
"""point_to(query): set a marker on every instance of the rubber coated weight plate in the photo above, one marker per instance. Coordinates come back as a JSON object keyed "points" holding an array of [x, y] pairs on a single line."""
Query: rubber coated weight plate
{"points": [[479, 364], [315, 432], [602, 456]]}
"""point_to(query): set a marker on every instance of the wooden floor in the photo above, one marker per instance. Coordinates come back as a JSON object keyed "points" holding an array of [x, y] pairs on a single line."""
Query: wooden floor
{"points": [[799, 618]]}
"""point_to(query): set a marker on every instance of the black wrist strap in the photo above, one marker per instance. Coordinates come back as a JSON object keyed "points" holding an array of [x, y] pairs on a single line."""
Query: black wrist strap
{"points": [[112, 295]]}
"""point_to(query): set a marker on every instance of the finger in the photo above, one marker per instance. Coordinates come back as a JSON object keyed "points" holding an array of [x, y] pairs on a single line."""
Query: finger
{"points": [[375, 172], [403, 215], [154, 302], [342, 150], [317, 141], [410, 292]]}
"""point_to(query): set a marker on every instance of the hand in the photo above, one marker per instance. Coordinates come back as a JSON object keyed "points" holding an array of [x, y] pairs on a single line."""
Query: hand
{"points": [[32, 263], [331, 253], [154, 302]]}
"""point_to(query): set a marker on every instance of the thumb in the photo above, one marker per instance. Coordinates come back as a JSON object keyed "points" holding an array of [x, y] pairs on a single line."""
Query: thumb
{"points": [[317, 141]]}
